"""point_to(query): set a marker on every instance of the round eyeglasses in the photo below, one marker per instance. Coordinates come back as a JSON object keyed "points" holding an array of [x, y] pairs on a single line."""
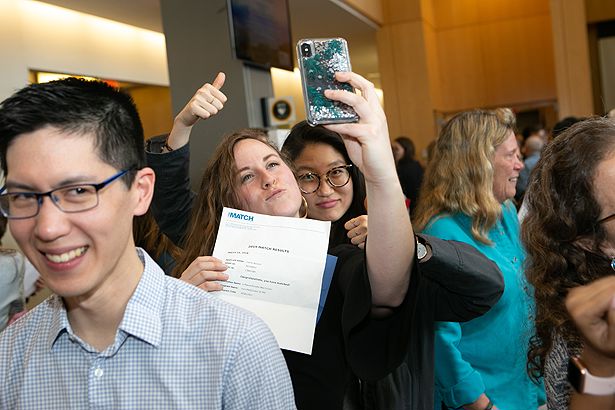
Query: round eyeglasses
{"points": [[336, 177], [69, 199]]}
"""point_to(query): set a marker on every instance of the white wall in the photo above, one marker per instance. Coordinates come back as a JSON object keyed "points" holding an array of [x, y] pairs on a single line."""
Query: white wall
{"points": [[40, 36], [14, 71]]}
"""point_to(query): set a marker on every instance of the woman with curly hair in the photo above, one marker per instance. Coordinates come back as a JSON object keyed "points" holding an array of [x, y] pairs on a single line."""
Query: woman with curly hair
{"points": [[467, 196], [569, 234]]}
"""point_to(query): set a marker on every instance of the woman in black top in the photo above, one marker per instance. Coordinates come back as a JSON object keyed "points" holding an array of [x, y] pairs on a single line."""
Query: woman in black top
{"points": [[409, 170]]}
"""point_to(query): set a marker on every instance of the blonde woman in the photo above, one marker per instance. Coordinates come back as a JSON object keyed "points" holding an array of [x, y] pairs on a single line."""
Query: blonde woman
{"points": [[467, 196]]}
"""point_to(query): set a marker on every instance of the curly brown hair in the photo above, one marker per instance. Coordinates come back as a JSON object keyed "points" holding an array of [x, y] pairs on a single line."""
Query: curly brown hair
{"points": [[560, 231]]}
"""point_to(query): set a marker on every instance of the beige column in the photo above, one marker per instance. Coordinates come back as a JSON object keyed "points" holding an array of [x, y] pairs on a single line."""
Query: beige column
{"points": [[404, 71], [571, 51]]}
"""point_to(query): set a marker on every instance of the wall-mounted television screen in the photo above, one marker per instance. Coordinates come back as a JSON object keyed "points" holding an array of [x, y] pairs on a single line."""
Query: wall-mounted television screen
{"points": [[261, 32]]}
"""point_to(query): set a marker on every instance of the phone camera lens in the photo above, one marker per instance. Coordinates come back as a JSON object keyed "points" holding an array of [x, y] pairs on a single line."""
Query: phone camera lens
{"points": [[306, 50]]}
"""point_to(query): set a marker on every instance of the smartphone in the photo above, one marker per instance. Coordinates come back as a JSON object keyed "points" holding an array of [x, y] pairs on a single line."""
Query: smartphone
{"points": [[319, 60]]}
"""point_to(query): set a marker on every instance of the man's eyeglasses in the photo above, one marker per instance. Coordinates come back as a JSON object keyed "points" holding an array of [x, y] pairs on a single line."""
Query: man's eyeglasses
{"points": [[69, 199], [336, 177]]}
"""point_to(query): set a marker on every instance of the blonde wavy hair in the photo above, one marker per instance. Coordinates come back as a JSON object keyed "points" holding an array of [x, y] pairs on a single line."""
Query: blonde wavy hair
{"points": [[459, 177]]}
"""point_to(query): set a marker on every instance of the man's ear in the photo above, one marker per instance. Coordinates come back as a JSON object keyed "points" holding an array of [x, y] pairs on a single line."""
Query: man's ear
{"points": [[144, 187]]}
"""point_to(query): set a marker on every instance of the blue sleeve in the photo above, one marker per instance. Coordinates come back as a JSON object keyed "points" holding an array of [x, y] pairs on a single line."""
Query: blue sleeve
{"points": [[257, 376], [456, 381], [449, 228]]}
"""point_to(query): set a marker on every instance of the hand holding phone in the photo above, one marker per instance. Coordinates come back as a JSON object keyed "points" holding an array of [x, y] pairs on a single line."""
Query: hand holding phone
{"points": [[319, 60]]}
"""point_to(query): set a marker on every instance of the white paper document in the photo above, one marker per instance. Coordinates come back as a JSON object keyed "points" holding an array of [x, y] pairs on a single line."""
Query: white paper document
{"points": [[275, 267]]}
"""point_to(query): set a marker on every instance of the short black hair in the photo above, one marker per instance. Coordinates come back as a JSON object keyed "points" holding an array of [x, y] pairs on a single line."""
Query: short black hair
{"points": [[77, 106]]}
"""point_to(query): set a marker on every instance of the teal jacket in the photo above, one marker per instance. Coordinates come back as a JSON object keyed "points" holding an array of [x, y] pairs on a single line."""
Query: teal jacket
{"points": [[488, 354]]}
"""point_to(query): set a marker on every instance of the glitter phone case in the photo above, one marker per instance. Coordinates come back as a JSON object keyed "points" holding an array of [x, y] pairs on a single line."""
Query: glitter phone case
{"points": [[319, 60]]}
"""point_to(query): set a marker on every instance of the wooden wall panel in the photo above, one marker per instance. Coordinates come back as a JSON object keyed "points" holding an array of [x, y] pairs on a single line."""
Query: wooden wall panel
{"points": [[461, 72], [433, 64], [493, 61], [457, 13], [404, 72], [453, 55], [370, 8], [428, 12], [599, 10], [400, 11], [518, 61], [571, 51], [154, 105], [388, 76]]}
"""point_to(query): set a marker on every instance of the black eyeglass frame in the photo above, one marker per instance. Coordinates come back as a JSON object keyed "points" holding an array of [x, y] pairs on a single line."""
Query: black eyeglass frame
{"points": [[40, 195], [327, 178]]}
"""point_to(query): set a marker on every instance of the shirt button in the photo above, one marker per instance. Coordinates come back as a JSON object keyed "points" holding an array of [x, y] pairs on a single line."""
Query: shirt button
{"points": [[98, 372]]}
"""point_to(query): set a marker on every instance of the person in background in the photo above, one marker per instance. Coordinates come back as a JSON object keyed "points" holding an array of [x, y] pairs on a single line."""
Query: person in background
{"points": [[428, 152], [531, 151], [466, 196], [535, 130], [12, 300], [569, 234], [409, 170], [558, 128], [563, 124], [117, 333]]}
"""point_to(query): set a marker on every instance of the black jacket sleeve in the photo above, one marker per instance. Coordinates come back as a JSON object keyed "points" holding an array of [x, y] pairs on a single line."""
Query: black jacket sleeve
{"points": [[457, 283], [374, 346], [464, 284], [173, 199]]}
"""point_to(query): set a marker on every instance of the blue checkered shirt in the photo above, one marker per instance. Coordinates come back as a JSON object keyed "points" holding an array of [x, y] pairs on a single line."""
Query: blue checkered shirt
{"points": [[176, 347]]}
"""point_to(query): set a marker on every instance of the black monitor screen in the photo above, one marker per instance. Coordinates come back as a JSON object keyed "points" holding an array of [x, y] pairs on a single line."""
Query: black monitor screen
{"points": [[261, 32]]}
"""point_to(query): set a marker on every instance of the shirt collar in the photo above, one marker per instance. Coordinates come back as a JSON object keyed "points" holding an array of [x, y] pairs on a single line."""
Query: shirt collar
{"points": [[59, 320], [142, 317]]}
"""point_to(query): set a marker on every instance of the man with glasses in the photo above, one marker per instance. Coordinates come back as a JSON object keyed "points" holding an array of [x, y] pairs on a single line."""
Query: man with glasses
{"points": [[117, 333]]}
